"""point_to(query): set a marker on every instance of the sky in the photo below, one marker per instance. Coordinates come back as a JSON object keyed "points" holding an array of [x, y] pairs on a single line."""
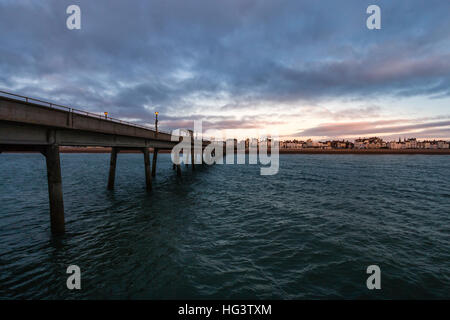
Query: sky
{"points": [[299, 69]]}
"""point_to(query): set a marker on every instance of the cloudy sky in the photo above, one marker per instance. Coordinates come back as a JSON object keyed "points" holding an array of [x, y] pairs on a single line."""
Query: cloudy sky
{"points": [[306, 69]]}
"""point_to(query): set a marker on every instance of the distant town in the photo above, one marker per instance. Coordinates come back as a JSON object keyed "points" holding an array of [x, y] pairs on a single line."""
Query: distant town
{"points": [[360, 145], [366, 143]]}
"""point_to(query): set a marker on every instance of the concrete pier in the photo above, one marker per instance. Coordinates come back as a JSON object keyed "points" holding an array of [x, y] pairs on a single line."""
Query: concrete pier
{"points": [[201, 157], [193, 157], [148, 176], [33, 125], [55, 192], [155, 157], [112, 168], [191, 133]]}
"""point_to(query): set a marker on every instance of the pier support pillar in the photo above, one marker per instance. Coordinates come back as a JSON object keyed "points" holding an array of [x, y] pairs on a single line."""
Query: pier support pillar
{"points": [[201, 157], [193, 157], [178, 170], [55, 192], [155, 157], [112, 168], [148, 176]]}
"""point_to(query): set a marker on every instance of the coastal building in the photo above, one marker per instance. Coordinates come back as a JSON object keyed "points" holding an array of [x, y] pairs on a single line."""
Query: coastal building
{"points": [[312, 144], [442, 144], [291, 144], [370, 143], [394, 145], [366, 143], [337, 144]]}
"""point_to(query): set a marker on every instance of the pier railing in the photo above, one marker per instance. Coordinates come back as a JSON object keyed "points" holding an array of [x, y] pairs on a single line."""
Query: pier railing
{"points": [[74, 110]]}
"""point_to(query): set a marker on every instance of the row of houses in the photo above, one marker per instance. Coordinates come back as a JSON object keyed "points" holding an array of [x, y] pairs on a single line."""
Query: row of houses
{"points": [[366, 143], [298, 144], [414, 144]]}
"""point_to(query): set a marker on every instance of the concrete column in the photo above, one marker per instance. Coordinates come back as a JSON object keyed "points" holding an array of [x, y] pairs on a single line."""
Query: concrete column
{"points": [[55, 193], [148, 176], [155, 156], [112, 168], [193, 157]]}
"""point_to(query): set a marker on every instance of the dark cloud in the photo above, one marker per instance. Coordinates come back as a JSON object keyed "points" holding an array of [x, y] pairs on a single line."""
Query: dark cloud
{"points": [[135, 57]]}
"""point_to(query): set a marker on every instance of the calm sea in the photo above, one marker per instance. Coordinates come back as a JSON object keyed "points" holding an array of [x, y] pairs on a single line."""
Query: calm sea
{"points": [[226, 232]]}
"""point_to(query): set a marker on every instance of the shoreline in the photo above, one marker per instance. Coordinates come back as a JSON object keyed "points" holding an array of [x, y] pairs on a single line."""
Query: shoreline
{"points": [[369, 151], [281, 151]]}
